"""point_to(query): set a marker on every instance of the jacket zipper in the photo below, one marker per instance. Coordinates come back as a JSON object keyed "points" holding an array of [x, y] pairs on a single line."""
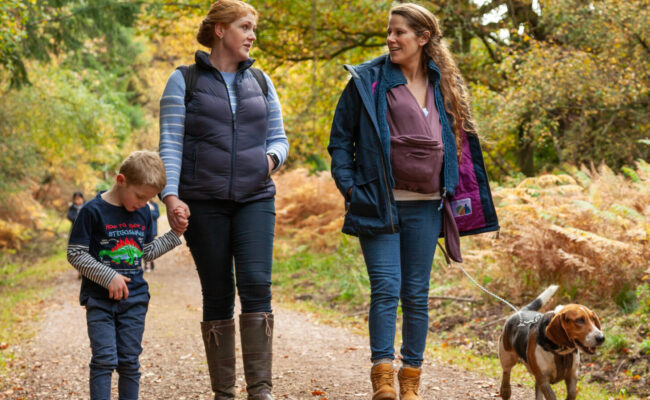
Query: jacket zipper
{"points": [[390, 206], [387, 185], [383, 165], [233, 154]]}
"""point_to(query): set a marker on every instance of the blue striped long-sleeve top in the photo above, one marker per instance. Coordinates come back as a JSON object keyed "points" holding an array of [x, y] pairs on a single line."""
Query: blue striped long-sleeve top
{"points": [[172, 127]]}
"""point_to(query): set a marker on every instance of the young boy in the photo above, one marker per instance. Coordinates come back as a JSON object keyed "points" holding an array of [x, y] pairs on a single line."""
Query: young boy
{"points": [[110, 240]]}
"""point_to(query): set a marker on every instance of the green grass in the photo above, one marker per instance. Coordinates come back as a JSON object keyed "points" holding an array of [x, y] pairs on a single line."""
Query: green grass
{"points": [[25, 285], [335, 287], [336, 278]]}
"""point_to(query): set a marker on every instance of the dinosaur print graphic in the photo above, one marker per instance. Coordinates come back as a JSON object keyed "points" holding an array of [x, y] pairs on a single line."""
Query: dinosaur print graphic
{"points": [[126, 250]]}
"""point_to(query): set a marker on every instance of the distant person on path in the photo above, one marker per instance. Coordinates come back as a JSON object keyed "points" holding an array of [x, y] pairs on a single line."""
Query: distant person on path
{"points": [[108, 244], [155, 214], [221, 137], [394, 146], [77, 203]]}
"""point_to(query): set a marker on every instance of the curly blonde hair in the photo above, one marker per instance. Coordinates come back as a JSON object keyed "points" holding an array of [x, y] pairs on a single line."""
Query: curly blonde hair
{"points": [[457, 101]]}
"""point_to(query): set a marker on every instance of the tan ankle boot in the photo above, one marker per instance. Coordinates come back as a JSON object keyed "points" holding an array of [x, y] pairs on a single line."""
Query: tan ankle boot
{"points": [[219, 341], [382, 377], [409, 383]]}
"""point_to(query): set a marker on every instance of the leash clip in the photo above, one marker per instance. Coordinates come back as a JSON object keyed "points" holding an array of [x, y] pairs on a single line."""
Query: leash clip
{"points": [[442, 198]]}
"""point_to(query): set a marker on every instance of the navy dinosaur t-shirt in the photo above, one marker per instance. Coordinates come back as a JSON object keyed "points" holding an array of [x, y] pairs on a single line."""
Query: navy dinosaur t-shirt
{"points": [[116, 238]]}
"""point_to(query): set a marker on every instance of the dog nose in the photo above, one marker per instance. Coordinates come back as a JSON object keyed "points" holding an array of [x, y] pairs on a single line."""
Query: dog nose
{"points": [[600, 339]]}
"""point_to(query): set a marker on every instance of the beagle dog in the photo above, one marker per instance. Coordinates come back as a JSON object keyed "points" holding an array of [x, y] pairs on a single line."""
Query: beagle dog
{"points": [[548, 344]]}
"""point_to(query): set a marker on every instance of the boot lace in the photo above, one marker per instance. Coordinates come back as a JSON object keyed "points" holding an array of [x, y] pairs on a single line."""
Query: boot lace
{"points": [[383, 377], [214, 332], [409, 384], [268, 330]]}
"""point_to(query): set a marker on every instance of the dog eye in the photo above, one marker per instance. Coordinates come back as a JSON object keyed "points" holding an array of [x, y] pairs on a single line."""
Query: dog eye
{"points": [[580, 321]]}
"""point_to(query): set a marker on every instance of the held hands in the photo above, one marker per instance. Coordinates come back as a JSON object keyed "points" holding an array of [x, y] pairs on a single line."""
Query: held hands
{"points": [[117, 289], [182, 218], [177, 213]]}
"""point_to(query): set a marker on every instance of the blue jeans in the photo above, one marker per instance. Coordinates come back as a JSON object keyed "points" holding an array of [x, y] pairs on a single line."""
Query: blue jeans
{"points": [[399, 268], [221, 231], [115, 330]]}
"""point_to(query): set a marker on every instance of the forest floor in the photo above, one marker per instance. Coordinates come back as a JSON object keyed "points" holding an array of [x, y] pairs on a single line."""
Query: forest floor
{"points": [[312, 360]]}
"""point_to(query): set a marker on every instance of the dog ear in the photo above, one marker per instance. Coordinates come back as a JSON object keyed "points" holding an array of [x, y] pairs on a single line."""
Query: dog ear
{"points": [[594, 317], [556, 333]]}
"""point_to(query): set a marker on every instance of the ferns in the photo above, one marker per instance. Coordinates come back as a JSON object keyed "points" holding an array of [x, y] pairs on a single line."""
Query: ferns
{"points": [[309, 210], [589, 231]]}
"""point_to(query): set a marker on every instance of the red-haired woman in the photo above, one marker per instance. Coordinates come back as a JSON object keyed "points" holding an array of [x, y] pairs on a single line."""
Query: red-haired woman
{"points": [[221, 136]]}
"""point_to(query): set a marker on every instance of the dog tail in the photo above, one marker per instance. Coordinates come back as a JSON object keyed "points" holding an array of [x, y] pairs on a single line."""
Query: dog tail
{"points": [[541, 299]]}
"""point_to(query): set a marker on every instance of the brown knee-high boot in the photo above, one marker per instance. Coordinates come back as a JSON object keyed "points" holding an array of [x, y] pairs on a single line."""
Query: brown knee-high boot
{"points": [[256, 331], [219, 341]]}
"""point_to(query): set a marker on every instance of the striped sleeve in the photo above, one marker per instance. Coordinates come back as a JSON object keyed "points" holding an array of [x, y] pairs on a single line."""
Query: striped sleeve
{"points": [[88, 266], [172, 130], [160, 246], [276, 140]]}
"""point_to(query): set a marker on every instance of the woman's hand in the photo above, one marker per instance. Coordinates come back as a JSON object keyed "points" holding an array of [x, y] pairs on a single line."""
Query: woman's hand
{"points": [[177, 221], [271, 164]]}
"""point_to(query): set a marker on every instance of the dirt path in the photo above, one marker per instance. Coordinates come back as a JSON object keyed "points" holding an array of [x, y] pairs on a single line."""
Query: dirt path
{"points": [[309, 357]]}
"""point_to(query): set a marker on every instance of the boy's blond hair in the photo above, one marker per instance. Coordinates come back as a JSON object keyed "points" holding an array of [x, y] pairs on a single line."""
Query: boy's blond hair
{"points": [[144, 168]]}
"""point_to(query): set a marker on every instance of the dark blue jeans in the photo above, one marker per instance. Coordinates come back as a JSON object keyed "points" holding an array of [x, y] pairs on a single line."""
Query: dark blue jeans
{"points": [[399, 267], [115, 330], [221, 231]]}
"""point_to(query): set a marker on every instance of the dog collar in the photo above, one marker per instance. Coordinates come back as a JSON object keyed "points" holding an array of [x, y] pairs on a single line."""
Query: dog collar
{"points": [[563, 351]]}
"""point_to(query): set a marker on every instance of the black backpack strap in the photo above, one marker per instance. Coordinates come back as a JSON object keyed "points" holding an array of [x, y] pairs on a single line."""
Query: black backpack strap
{"points": [[190, 74], [261, 80]]}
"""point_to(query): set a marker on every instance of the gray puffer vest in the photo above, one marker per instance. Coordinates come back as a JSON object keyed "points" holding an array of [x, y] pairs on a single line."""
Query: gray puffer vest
{"points": [[224, 156]]}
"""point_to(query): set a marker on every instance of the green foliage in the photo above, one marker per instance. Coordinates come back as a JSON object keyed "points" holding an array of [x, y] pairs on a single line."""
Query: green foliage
{"points": [[644, 347], [616, 342], [576, 93], [22, 286], [37, 30], [338, 278], [58, 128], [553, 81], [643, 297], [626, 300]]}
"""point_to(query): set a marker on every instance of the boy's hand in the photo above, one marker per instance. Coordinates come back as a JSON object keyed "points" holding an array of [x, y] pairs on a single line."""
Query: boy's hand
{"points": [[117, 289], [177, 224], [182, 212], [181, 215]]}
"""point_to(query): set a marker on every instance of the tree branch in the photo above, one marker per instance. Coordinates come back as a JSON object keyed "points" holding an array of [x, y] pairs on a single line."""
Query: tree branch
{"points": [[643, 43]]}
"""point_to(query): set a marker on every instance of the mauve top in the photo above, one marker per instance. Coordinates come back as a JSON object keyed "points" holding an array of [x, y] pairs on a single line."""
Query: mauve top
{"points": [[405, 115]]}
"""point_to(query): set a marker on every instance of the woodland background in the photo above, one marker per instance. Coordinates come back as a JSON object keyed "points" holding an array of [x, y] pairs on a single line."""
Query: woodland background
{"points": [[561, 94]]}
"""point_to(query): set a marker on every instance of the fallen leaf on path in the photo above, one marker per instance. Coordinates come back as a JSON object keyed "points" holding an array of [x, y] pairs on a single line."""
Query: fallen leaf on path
{"points": [[317, 393]]}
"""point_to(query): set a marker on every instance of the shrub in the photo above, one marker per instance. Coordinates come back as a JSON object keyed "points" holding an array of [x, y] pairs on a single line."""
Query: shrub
{"points": [[644, 347], [616, 342], [643, 297], [589, 233]]}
